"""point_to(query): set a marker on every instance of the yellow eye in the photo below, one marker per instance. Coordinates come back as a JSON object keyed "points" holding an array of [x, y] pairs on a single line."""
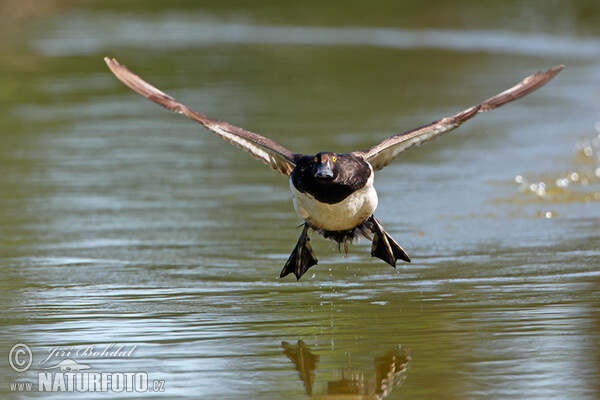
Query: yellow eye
{"points": [[316, 159], [334, 159]]}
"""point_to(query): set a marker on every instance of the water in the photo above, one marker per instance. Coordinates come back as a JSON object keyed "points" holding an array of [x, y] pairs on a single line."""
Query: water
{"points": [[123, 223]]}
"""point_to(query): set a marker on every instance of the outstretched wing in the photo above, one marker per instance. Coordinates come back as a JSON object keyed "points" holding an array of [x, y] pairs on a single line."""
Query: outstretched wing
{"points": [[382, 154], [276, 156]]}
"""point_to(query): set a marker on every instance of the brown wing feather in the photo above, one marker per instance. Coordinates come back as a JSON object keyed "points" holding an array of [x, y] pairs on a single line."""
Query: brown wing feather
{"points": [[382, 154], [276, 156]]}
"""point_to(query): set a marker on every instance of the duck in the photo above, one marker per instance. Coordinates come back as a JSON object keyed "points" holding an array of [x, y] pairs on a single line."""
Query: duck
{"points": [[333, 192]]}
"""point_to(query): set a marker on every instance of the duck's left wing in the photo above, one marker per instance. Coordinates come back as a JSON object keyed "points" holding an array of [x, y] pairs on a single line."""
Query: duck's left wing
{"points": [[382, 154], [273, 154]]}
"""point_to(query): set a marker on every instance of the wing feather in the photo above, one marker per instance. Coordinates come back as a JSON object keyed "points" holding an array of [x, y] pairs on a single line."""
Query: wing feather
{"points": [[271, 153], [382, 154]]}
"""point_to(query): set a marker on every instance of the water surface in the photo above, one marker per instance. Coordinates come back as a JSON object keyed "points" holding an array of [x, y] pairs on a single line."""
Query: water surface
{"points": [[123, 223]]}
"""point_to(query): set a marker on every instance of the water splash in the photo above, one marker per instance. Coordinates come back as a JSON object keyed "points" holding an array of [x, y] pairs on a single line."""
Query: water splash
{"points": [[580, 184]]}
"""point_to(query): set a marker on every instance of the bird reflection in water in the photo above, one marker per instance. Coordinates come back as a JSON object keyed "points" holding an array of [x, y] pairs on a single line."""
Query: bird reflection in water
{"points": [[388, 372]]}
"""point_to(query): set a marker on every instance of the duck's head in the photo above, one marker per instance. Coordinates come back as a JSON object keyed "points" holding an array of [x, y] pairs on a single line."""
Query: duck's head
{"points": [[325, 167]]}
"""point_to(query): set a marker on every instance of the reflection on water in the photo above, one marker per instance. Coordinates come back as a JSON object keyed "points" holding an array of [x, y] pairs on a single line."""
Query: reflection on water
{"points": [[80, 36], [388, 372]]}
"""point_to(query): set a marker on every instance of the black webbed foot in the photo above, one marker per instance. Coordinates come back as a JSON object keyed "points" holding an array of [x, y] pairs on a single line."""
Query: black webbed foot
{"points": [[302, 257], [384, 246]]}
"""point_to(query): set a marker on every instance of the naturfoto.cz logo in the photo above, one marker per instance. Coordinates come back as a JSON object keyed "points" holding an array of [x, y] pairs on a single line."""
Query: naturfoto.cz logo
{"points": [[68, 375]]}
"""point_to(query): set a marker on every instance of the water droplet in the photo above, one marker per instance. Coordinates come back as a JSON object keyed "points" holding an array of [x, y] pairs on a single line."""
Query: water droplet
{"points": [[548, 214], [541, 191], [574, 176], [518, 179]]}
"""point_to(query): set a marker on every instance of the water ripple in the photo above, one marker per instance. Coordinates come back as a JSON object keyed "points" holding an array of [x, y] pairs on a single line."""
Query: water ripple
{"points": [[82, 34]]}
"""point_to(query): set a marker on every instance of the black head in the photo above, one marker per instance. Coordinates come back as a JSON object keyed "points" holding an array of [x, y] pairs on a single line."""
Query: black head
{"points": [[325, 167], [330, 177]]}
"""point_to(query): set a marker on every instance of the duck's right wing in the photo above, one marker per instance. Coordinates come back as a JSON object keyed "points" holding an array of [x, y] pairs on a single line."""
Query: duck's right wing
{"points": [[273, 154], [382, 154]]}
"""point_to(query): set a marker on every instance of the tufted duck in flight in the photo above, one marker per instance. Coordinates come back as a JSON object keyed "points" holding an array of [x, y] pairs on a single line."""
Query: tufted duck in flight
{"points": [[333, 192]]}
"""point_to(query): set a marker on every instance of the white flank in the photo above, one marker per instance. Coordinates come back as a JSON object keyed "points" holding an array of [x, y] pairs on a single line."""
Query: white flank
{"points": [[346, 214]]}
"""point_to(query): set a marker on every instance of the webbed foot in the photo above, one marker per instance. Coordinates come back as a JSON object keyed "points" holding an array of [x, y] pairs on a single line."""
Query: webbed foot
{"points": [[384, 246], [302, 257]]}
